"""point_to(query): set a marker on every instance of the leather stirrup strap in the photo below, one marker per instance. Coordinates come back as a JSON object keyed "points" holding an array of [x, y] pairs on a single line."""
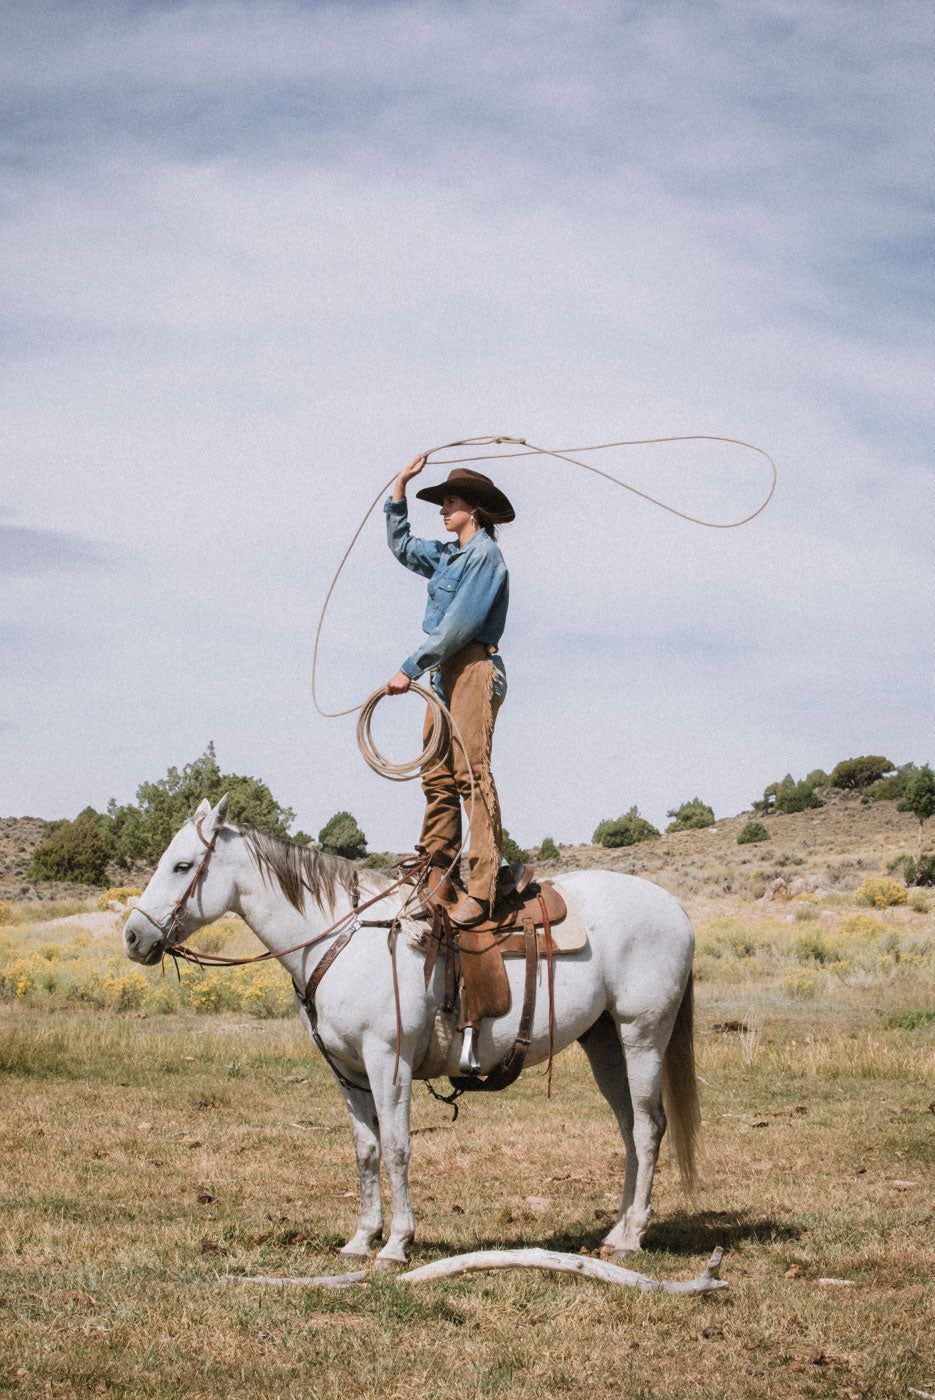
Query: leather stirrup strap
{"points": [[511, 1066], [550, 974]]}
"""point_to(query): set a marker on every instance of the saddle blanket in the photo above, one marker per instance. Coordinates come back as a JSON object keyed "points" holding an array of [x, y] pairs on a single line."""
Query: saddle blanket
{"points": [[568, 935]]}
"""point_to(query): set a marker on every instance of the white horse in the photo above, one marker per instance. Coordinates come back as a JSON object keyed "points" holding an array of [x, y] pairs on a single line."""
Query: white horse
{"points": [[627, 996]]}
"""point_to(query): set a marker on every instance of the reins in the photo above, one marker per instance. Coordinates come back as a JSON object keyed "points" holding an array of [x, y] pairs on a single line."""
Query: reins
{"points": [[413, 872]]}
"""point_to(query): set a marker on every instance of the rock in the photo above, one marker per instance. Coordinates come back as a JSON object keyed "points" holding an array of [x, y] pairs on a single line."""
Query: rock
{"points": [[777, 889]]}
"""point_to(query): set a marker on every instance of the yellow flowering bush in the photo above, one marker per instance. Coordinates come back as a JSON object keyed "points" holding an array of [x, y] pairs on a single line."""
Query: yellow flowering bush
{"points": [[881, 892], [266, 991], [120, 895], [802, 985]]}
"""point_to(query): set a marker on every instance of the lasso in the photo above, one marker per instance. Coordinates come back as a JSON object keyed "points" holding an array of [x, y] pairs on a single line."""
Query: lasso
{"points": [[441, 719]]}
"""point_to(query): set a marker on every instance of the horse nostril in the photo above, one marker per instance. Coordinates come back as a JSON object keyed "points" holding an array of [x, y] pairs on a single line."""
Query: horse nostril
{"points": [[130, 937]]}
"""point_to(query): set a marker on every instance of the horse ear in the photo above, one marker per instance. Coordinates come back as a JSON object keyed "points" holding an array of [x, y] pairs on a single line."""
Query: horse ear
{"points": [[202, 810], [219, 815]]}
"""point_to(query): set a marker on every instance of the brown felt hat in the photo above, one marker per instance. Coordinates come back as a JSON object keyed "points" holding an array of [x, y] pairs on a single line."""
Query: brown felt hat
{"points": [[477, 490]]}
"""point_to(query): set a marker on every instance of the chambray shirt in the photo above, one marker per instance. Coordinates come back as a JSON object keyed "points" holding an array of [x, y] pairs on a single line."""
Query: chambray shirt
{"points": [[469, 592]]}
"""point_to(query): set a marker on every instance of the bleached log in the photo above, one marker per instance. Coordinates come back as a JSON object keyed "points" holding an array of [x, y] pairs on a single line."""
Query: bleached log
{"points": [[351, 1280], [553, 1262]]}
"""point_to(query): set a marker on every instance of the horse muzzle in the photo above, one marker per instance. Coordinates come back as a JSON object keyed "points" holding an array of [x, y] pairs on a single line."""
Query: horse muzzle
{"points": [[144, 940]]}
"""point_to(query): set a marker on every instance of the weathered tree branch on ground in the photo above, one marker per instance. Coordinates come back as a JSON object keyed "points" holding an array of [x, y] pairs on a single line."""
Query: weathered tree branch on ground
{"points": [[547, 1259]]}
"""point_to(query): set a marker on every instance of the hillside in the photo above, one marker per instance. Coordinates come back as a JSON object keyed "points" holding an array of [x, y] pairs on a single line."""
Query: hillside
{"points": [[833, 847]]}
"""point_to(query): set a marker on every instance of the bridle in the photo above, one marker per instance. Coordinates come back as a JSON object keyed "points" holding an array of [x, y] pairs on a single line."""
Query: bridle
{"points": [[172, 927]]}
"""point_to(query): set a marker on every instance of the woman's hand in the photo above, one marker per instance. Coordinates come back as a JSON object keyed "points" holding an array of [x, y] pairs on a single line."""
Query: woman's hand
{"points": [[400, 683], [406, 475]]}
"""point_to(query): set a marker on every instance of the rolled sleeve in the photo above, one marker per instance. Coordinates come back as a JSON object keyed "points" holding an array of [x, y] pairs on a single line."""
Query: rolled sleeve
{"points": [[422, 556]]}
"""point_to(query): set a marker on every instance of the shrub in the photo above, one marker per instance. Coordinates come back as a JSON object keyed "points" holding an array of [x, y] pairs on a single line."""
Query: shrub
{"points": [[919, 799], [753, 831], [787, 796], [6, 913], [855, 773], [375, 861], [142, 831], [74, 851], [625, 831], [919, 901], [341, 836], [802, 985], [887, 789], [691, 816], [880, 893], [511, 852], [548, 850], [119, 896]]}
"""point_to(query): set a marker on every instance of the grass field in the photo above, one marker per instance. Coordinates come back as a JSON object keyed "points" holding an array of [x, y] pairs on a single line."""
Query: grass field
{"points": [[147, 1151]]}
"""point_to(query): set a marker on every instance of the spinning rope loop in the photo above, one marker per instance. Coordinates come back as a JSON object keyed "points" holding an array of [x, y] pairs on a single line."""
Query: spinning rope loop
{"points": [[442, 724]]}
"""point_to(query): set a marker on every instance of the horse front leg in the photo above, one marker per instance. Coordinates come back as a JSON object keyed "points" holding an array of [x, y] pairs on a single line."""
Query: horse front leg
{"points": [[392, 1103], [366, 1130]]}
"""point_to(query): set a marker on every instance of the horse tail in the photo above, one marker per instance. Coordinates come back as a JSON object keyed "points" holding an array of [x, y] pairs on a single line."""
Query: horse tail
{"points": [[680, 1090]]}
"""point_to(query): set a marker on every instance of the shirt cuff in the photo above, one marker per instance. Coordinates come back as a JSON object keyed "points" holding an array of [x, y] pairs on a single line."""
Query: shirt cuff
{"points": [[410, 669]]}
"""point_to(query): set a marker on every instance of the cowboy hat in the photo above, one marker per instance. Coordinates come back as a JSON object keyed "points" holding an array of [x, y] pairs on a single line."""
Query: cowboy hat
{"points": [[476, 490]]}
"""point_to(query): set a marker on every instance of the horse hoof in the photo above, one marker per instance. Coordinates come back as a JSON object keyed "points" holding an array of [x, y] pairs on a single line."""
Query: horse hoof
{"points": [[354, 1251], [381, 1263], [616, 1252]]}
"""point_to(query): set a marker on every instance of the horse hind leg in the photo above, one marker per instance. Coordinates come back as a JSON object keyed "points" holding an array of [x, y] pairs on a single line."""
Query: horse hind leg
{"points": [[602, 1046], [644, 1076]]}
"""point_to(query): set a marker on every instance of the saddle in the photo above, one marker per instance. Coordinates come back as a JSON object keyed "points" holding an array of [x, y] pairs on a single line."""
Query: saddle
{"points": [[476, 980]]}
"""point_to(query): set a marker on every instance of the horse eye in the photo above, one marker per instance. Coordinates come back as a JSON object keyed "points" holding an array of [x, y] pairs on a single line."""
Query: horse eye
{"points": [[182, 866]]}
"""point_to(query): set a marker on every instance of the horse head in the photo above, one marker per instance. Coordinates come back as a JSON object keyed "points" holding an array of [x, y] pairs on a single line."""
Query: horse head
{"points": [[192, 886]]}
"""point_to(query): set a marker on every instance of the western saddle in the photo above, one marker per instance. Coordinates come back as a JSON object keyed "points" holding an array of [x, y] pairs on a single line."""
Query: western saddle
{"points": [[476, 985]]}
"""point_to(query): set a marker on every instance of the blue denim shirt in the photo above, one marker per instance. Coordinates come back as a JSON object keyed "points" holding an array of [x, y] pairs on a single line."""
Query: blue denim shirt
{"points": [[469, 592]]}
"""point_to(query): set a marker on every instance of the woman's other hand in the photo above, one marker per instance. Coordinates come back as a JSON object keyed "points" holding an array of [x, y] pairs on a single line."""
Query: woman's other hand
{"points": [[400, 683]]}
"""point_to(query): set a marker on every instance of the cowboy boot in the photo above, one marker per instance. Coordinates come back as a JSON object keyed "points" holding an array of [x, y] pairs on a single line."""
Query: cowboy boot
{"points": [[438, 888], [469, 911]]}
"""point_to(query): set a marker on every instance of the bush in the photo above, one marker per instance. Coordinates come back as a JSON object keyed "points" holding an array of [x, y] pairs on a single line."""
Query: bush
{"points": [[880, 893], [74, 851], [787, 796], [887, 789], [510, 851], [691, 816], [856, 773], [118, 896], [341, 836], [143, 831], [753, 831], [548, 850], [375, 861], [625, 831]]}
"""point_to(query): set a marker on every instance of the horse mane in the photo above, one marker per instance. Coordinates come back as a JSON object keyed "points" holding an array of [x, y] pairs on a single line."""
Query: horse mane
{"points": [[300, 870]]}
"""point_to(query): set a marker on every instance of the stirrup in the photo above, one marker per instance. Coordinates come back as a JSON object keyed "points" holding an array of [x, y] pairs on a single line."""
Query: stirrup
{"points": [[469, 1063]]}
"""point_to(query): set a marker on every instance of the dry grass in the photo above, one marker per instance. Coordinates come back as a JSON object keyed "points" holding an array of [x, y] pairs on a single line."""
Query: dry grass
{"points": [[144, 1152], [141, 1157]]}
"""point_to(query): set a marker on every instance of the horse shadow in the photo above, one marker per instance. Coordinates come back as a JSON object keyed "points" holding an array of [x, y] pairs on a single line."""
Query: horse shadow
{"points": [[683, 1234]]}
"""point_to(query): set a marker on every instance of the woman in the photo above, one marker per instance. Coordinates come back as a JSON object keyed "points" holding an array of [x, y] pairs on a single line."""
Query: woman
{"points": [[469, 591]]}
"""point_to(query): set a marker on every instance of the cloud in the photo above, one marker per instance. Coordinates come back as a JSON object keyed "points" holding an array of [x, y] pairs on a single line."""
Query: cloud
{"points": [[26, 551], [256, 256]]}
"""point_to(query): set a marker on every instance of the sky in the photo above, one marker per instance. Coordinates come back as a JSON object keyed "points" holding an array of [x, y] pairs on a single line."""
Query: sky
{"points": [[255, 256]]}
